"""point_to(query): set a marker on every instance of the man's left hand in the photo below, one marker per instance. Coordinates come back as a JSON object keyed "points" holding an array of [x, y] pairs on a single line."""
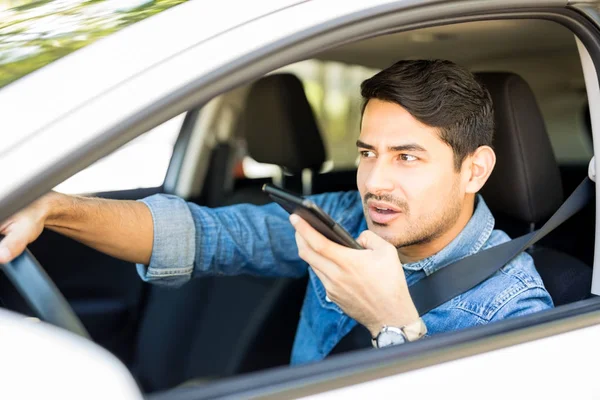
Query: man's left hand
{"points": [[368, 285]]}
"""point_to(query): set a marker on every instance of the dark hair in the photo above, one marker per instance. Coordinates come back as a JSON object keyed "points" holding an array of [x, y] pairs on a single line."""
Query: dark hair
{"points": [[439, 94]]}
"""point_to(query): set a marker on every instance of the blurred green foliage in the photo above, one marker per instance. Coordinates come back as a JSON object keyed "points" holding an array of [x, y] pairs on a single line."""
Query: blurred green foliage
{"points": [[36, 33]]}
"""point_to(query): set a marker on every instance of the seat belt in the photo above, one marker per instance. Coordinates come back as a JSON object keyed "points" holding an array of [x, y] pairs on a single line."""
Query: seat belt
{"points": [[463, 275]]}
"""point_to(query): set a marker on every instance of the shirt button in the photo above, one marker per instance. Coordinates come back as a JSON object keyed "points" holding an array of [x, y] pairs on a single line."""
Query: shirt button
{"points": [[327, 299]]}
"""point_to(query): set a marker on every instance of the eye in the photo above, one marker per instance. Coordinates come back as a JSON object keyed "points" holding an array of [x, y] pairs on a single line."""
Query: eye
{"points": [[366, 154], [408, 157]]}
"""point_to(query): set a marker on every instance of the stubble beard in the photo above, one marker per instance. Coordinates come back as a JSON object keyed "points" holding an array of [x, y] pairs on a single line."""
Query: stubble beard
{"points": [[427, 228]]}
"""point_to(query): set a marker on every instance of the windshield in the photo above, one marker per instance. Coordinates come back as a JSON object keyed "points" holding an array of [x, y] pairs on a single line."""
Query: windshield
{"points": [[36, 33]]}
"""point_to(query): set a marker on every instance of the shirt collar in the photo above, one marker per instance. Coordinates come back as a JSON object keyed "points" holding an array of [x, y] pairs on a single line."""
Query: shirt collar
{"points": [[469, 241]]}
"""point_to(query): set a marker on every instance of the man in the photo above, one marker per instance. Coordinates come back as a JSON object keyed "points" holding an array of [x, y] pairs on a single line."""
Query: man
{"points": [[425, 152]]}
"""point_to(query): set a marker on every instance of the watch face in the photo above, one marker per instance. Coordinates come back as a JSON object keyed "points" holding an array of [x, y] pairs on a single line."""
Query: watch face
{"points": [[389, 338]]}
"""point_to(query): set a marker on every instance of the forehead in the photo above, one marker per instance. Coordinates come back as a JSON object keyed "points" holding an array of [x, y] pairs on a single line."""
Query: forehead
{"points": [[387, 123]]}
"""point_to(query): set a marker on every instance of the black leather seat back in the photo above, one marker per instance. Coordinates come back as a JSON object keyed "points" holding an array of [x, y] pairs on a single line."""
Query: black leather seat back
{"points": [[525, 183], [525, 187]]}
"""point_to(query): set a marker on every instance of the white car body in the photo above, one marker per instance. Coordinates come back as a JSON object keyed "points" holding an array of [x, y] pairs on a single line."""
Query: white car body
{"points": [[91, 113], [42, 361]]}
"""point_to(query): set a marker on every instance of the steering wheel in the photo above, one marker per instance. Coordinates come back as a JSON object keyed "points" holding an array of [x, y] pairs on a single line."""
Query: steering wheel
{"points": [[41, 294]]}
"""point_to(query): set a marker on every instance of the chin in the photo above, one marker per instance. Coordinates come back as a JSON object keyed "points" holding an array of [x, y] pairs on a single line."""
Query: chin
{"points": [[384, 231]]}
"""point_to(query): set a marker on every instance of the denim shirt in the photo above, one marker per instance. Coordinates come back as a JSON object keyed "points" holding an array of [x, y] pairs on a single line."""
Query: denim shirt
{"points": [[192, 241]]}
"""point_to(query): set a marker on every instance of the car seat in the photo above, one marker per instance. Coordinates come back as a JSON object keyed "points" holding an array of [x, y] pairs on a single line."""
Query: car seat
{"points": [[525, 188]]}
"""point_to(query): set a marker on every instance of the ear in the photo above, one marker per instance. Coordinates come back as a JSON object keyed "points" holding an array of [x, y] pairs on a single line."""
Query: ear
{"points": [[478, 168]]}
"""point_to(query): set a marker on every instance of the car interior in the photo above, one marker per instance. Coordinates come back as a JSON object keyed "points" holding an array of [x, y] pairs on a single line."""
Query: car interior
{"points": [[302, 122]]}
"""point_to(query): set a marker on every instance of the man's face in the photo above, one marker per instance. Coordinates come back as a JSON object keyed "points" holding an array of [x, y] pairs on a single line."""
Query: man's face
{"points": [[410, 190]]}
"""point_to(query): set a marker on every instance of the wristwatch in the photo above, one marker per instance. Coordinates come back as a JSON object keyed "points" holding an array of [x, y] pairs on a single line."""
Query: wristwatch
{"points": [[391, 335]]}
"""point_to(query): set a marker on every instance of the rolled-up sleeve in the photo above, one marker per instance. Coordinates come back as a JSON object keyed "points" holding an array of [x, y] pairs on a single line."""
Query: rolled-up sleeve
{"points": [[173, 249]]}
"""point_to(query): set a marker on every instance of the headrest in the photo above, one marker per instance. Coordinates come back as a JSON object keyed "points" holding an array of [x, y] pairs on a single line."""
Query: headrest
{"points": [[279, 125], [525, 183]]}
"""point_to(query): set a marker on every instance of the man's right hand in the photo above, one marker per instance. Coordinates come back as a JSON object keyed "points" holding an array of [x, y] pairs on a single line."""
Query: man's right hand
{"points": [[22, 229], [120, 228]]}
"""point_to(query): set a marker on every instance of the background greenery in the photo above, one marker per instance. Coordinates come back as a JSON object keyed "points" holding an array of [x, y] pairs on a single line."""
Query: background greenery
{"points": [[35, 33]]}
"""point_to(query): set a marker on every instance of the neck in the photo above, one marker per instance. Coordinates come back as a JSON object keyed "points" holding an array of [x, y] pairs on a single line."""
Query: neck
{"points": [[420, 251]]}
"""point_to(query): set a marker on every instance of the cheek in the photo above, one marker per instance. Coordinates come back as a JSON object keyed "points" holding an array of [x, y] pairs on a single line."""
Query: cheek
{"points": [[423, 192], [361, 176]]}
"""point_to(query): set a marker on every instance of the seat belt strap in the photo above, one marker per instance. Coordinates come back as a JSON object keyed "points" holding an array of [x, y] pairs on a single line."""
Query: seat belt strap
{"points": [[463, 275]]}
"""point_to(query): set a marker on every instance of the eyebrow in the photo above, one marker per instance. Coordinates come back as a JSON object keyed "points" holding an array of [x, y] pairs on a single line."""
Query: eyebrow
{"points": [[402, 147]]}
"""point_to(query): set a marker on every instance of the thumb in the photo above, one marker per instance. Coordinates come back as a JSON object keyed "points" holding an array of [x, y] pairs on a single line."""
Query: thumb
{"points": [[370, 240]]}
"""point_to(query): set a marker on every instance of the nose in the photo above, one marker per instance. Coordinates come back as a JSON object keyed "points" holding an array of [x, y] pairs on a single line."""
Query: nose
{"points": [[379, 179]]}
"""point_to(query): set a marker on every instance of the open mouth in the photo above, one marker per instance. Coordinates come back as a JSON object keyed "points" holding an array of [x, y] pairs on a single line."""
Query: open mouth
{"points": [[382, 213]]}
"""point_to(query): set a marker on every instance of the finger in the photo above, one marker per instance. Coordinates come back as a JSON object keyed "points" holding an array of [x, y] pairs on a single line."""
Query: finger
{"points": [[322, 274], [319, 263], [372, 241], [319, 243], [11, 246]]}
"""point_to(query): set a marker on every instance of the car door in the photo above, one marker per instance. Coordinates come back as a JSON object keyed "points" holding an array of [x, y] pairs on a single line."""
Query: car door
{"points": [[262, 55]]}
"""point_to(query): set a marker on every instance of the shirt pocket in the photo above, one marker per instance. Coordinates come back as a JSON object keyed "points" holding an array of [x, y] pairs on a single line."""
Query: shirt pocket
{"points": [[321, 293]]}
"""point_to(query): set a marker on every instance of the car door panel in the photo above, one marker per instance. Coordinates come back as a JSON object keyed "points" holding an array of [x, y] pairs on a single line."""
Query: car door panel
{"points": [[106, 293]]}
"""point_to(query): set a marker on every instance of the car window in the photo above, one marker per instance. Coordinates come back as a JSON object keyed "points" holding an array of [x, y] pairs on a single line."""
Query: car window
{"points": [[570, 132], [142, 163], [35, 33]]}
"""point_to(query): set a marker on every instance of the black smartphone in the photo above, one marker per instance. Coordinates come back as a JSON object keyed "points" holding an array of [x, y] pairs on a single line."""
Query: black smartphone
{"points": [[311, 213]]}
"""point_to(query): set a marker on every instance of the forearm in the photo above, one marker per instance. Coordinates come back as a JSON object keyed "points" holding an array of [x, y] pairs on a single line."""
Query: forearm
{"points": [[120, 228]]}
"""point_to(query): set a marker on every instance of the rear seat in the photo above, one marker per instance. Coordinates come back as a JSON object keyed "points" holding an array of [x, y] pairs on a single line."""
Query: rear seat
{"points": [[220, 326]]}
